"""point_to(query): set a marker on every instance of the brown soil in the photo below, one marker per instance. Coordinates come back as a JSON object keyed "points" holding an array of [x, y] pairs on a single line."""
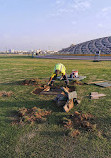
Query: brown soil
{"points": [[74, 133], [44, 88], [79, 82], [38, 90], [73, 83], [54, 89], [33, 115], [5, 94], [31, 82], [72, 88], [78, 121]]}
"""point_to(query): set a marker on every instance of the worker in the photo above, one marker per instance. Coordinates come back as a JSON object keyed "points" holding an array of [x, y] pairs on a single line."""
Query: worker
{"points": [[97, 55], [59, 69]]}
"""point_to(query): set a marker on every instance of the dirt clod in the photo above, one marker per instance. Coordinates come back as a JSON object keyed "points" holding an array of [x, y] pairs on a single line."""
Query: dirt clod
{"points": [[74, 133], [38, 90], [5, 94], [31, 82], [46, 89]]}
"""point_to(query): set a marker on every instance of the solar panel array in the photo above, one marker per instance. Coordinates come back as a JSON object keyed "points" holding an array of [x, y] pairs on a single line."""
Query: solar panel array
{"points": [[90, 47]]}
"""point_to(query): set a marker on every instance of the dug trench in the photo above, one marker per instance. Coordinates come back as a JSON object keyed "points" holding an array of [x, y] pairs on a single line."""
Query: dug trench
{"points": [[40, 85], [53, 90]]}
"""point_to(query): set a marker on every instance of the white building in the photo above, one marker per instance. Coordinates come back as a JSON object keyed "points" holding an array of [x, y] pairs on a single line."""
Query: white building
{"points": [[11, 51]]}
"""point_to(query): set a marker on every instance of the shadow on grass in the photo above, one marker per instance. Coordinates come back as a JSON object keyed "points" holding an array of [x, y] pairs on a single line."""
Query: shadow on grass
{"points": [[104, 123], [22, 82], [43, 104], [12, 83]]}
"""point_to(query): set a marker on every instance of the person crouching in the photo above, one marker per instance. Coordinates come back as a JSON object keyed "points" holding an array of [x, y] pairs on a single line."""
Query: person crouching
{"points": [[59, 69]]}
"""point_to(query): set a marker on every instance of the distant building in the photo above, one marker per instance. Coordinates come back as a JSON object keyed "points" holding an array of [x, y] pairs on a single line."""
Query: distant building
{"points": [[102, 45], [11, 51]]}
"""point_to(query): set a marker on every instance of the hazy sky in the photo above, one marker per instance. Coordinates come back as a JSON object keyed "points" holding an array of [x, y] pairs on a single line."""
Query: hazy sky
{"points": [[52, 24]]}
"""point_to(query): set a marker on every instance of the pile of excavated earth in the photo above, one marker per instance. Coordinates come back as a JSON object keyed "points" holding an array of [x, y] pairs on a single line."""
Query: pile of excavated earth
{"points": [[31, 116], [77, 121]]}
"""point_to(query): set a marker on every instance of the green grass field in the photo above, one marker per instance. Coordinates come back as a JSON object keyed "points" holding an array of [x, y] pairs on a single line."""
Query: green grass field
{"points": [[48, 140]]}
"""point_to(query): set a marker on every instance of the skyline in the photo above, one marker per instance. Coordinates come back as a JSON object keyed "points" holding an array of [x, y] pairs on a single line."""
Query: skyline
{"points": [[52, 24]]}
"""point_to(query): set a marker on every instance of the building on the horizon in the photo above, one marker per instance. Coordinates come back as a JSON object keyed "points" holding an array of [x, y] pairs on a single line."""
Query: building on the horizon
{"points": [[10, 51], [89, 47]]}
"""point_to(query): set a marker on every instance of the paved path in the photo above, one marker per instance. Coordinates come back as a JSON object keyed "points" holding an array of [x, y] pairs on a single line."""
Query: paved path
{"points": [[102, 58]]}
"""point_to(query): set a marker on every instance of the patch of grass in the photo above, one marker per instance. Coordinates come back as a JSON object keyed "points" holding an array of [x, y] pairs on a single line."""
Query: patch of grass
{"points": [[49, 138]]}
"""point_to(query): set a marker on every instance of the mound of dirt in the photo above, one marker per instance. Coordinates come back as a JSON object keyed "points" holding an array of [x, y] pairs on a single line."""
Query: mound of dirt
{"points": [[78, 121], [33, 115], [31, 82], [5, 94], [76, 82], [37, 90]]}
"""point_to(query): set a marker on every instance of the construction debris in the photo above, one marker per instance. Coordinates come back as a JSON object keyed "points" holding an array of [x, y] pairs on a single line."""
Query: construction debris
{"points": [[100, 83], [70, 95], [31, 116], [70, 99], [60, 100], [66, 99], [94, 82], [103, 84], [46, 89], [69, 105], [96, 95], [79, 78]]}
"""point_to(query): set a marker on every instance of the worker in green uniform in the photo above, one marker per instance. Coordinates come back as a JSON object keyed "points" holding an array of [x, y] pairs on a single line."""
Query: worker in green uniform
{"points": [[59, 69]]}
